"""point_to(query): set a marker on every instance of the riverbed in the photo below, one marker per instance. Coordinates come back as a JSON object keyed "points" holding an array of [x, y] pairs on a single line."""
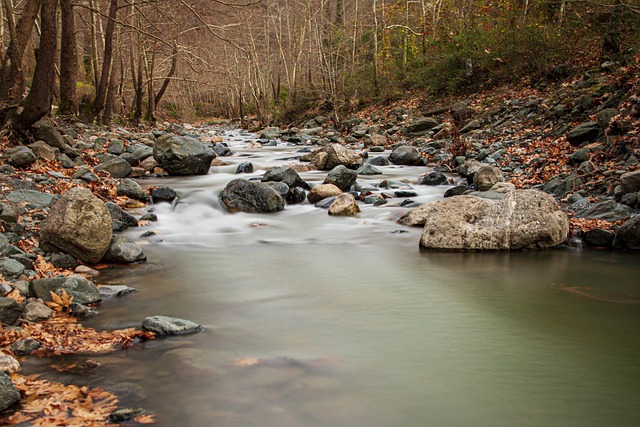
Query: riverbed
{"points": [[313, 320]]}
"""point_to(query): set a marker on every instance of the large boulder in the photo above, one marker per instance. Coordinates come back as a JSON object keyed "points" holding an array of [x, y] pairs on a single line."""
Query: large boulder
{"points": [[332, 155], [523, 219], [628, 235], [630, 182], [79, 224], [344, 205], [584, 132], [286, 175], [322, 192], [116, 167], [241, 195], [181, 155], [341, 177], [124, 250], [20, 156], [421, 125], [82, 290], [487, 177], [405, 155]]}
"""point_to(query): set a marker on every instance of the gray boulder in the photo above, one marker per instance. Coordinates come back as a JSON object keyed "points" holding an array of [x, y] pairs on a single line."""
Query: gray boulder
{"points": [[163, 194], [43, 130], [124, 250], [487, 177], [598, 238], [10, 310], [114, 291], [10, 268], [433, 178], [341, 177], [368, 169], [37, 199], [523, 219], [285, 174], [35, 310], [241, 195], [9, 394], [116, 167], [628, 235], [9, 212], [630, 182], [20, 156], [584, 132], [79, 224], [43, 150], [163, 325], [332, 155], [607, 210], [421, 125], [82, 290], [405, 155], [130, 188], [180, 155]]}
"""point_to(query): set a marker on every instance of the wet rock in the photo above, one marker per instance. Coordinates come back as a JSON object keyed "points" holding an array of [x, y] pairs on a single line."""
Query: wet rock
{"points": [[222, 150], [120, 219], [433, 178], [375, 199], [25, 346], [9, 394], [163, 325], [296, 195], [82, 290], [584, 132], [116, 168], [598, 238], [628, 235], [10, 268], [10, 310], [180, 155], [344, 205], [43, 150], [113, 291], [405, 155], [124, 415], [79, 224], [37, 199], [607, 210], [130, 188], [280, 187], [341, 177], [630, 182], [163, 194], [286, 175], [323, 191], [241, 195], [35, 310], [487, 177], [377, 161], [20, 156], [332, 155], [368, 169], [524, 219], [244, 167], [81, 311], [122, 249]]}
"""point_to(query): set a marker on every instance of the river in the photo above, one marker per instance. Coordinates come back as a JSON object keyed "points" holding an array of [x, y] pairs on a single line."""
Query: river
{"points": [[314, 320]]}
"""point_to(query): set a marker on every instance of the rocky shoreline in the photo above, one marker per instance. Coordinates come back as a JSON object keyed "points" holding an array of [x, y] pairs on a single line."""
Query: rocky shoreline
{"points": [[543, 167]]}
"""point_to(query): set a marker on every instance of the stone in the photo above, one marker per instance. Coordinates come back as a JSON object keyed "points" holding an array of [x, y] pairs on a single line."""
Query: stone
{"points": [[125, 414], [20, 156], [130, 188], [37, 199], [24, 347], [368, 169], [114, 291], [344, 205], [584, 132], [140, 151], [630, 182], [79, 224], [163, 325], [43, 150], [523, 219], [43, 130], [163, 194], [605, 116], [241, 195], [375, 140], [244, 167], [10, 268], [295, 195], [120, 219], [122, 249], [405, 155], [286, 175], [378, 161], [579, 156], [8, 364], [421, 125], [433, 178], [628, 235], [82, 290], [222, 150], [322, 191], [560, 186], [607, 210], [116, 146], [598, 238], [9, 394], [332, 155], [116, 168], [81, 311], [180, 155], [10, 310], [63, 260], [9, 212], [341, 177], [487, 177], [35, 310], [280, 187]]}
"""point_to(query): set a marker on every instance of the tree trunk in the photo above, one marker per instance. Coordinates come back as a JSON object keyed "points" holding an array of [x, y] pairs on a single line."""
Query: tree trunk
{"points": [[101, 90], [167, 80], [38, 102], [68, 61], [111, 93]]}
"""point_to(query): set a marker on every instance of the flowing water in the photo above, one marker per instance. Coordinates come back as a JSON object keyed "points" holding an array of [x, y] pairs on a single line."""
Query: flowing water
{"points": [[315, 320]]}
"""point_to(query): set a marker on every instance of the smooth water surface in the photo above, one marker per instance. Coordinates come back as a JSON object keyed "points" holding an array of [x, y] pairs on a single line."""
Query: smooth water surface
{"points": [[314, 320]]}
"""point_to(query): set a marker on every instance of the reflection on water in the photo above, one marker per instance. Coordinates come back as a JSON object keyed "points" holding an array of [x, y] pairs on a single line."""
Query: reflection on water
{"points": [[321, 321]]}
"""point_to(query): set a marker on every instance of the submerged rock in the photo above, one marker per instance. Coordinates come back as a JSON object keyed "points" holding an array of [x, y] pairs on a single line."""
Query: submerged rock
{"points": [[241, 195]]}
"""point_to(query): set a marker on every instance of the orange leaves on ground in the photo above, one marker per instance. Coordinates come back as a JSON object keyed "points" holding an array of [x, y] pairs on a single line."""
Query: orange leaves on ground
{"points": [[59, 301], [48, 403], [46, 269], [585, 224], [63, 334]]}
